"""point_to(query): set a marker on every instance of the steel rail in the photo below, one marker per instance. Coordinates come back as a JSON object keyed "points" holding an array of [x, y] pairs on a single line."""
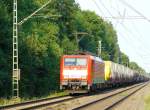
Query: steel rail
{"points": [[122, 99], [49, 101], [107, 97], [35, 107], [30, 102]]}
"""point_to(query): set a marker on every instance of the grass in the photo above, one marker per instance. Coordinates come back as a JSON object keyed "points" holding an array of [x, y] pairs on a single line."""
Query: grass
{"points": [[4, 101], [10, 101], [123, 94], [147, 102]]}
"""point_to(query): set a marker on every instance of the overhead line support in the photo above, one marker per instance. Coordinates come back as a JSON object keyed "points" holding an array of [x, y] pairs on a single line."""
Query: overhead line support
{"points": [[15, 74], [16, 70]]}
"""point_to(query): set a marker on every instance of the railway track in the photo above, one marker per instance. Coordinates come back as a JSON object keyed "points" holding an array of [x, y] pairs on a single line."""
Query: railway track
{"points": [[29, 104], [48, 102], [122, 99], [38, 104], [109, 102]]}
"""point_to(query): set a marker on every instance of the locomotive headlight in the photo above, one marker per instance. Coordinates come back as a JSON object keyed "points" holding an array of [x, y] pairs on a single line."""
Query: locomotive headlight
{"points": [[75, 68], [84, 77]]}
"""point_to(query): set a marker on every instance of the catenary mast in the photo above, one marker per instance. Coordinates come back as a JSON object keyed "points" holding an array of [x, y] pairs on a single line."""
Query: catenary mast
{"points": [[15, 74]]}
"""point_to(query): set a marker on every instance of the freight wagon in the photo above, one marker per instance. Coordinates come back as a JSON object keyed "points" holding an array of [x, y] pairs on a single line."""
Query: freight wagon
{"points": [[117, 73]]}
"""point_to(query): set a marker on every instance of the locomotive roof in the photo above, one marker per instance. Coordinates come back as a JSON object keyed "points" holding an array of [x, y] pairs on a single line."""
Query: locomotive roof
{"points": [[75, 55], [98, 59], [91, 56]]}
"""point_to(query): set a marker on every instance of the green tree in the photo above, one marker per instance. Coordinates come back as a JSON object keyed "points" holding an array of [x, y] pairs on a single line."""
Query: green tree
{"points": [[124, 59], [44, 38], [135, 66]]}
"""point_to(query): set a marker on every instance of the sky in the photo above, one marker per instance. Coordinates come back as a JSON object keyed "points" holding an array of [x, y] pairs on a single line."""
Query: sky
{"points": [[133, 34]]}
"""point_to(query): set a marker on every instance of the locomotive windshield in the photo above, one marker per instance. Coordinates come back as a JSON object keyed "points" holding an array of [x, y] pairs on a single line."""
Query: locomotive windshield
{"points": [[75, 62]]}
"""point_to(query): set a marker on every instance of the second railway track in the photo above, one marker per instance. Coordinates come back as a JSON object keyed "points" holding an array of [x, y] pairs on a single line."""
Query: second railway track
{"points": [[109, 102]]}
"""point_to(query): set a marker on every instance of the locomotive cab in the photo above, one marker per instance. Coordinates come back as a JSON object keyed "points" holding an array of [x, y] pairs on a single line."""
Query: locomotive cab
{"points": [[74, 72]]}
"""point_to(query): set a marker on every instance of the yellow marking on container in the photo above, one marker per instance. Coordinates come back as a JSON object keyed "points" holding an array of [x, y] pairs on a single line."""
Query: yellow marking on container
{"points": [[107, 70]]}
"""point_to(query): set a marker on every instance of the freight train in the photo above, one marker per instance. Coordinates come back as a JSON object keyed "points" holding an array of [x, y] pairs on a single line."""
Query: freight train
{"points": [[86, 73]]}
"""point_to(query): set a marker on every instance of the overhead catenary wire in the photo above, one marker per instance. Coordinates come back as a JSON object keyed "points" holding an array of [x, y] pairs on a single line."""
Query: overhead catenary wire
{"points": [[128, 35], [105, 8], [131, 33], [139, 36], [128, 41], [126, 17], [112, 14], [135, 10], [123, 17], [98, 7], [132, 49], [118, 12], [134, 45], [109, 13], [32, 14]]}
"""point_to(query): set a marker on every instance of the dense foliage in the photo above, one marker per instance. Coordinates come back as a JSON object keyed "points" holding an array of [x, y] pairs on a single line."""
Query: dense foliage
{"points": [[45, 38]]}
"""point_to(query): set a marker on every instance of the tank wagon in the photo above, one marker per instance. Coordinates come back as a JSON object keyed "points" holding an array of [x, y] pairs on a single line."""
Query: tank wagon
{"points": [[117, 73], [85, 73]]}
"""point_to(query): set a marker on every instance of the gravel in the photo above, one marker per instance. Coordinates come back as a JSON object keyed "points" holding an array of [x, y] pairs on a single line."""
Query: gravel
{"points": [[136, 101], [69, 105]]}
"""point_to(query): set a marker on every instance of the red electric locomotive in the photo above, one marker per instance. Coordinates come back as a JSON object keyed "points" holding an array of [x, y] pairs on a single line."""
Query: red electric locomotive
{"points": [[81, 73]]}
